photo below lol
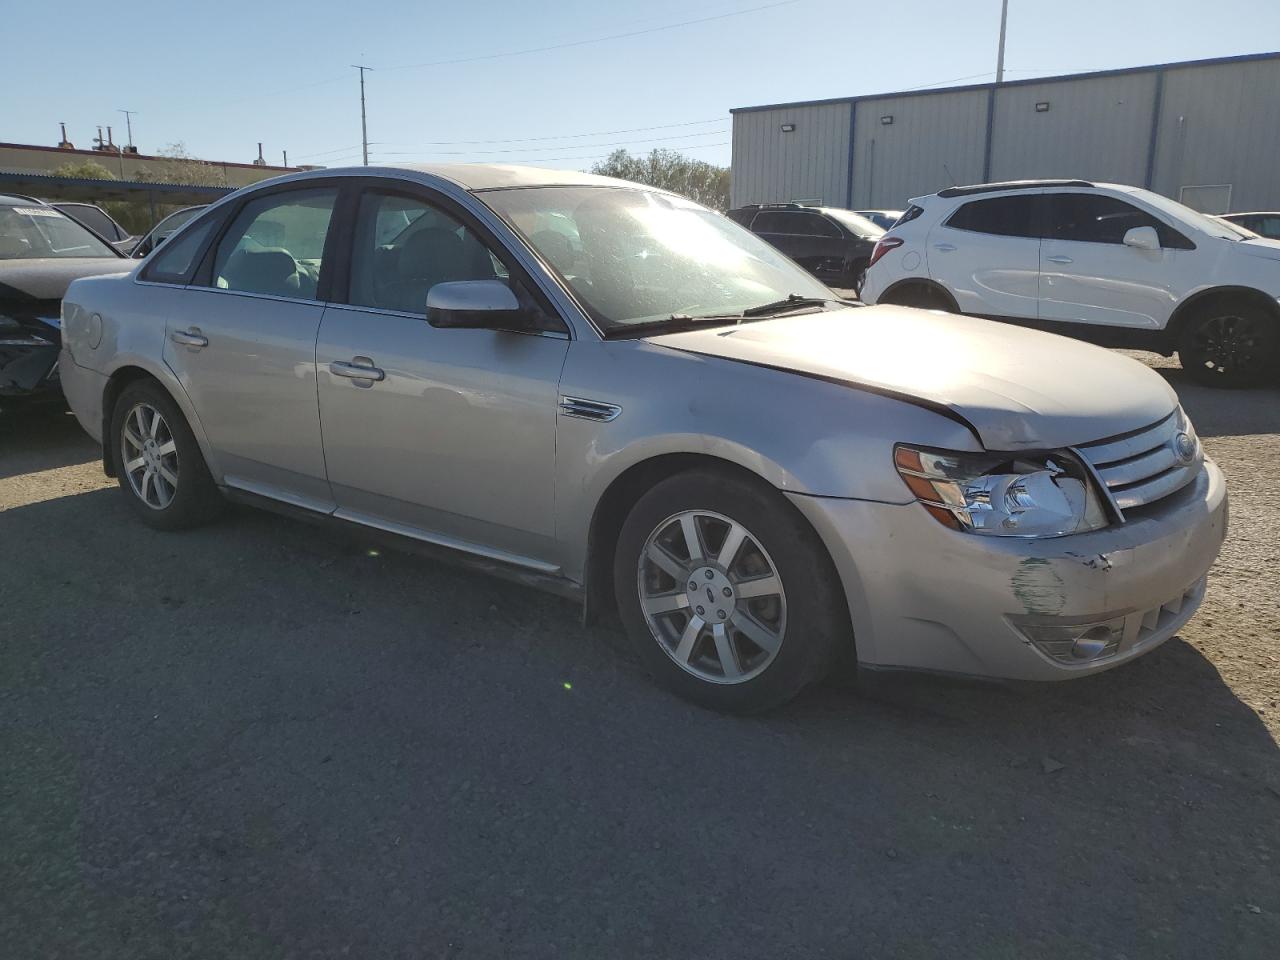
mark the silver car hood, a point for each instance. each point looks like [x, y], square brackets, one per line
[1016, 388]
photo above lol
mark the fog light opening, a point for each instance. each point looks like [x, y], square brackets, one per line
[1092, 643]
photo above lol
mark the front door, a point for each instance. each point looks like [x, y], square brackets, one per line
[808, 238]
[1088, 275]
[987, 255]
[452, 437]
[243, 347]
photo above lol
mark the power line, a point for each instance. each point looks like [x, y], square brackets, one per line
[563, 136]
[581, 43]
[563, 146]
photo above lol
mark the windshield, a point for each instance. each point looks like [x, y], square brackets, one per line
[30, 232]
[1178, 211]
[632, 256]
[856, 223]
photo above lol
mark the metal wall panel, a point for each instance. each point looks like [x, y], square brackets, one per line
[1220, 125]
[810, 163]
[933, 142]
[1094, 129]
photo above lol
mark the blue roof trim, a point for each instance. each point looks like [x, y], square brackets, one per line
[1096, 74]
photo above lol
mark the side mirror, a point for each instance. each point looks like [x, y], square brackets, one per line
[1142, 238]
[474, 305]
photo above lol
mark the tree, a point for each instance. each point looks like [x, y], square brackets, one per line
[179, 166]
[83, 169]
[698, 180]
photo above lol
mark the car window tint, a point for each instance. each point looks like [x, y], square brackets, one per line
[276, 243]
[404, 247]
[1003, 216]
[95, 219]
[815, 225]
[772, 221]
[1093, 218]
[173, 264]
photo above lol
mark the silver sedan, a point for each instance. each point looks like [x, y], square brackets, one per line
[612, 392]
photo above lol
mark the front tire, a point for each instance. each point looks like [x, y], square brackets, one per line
[158, 462]
[726, 593]
[1230, 344]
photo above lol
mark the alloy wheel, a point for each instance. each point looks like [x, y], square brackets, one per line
[149, 456]
[712, 597]
[1230, 345]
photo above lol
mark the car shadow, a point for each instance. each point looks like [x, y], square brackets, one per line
[1218, 412]
[340, 743]
[39, 437]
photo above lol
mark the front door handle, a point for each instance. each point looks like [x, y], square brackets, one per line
[1059, 259]
[189, 338]
[944, 247]
[357, 368]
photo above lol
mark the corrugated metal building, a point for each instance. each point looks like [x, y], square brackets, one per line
[1206, 132]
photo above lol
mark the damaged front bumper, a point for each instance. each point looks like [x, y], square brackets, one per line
[925, 597]
[29, 349]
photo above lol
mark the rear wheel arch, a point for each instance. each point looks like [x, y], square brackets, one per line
[117, 382]
[910, 291]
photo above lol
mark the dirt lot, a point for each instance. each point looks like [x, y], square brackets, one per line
[257, 740]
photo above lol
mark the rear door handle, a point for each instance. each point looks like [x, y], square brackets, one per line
[1059, 259]
[357, 368]
[944, 247]
[189, 338]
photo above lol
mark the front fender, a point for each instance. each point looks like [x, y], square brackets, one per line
[799, 434]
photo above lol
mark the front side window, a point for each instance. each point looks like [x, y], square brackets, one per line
[30, 231]
[633, 256]
[1095, 218]
[276, 244]
[404, 247]
[1000, 216]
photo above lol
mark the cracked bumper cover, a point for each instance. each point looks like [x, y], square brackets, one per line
[925, 597]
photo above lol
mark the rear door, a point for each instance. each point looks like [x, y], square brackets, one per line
[808, 238]
[987, 254]
[1088, 275]
[243, 343]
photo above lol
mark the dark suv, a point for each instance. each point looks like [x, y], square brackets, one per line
[834, 245]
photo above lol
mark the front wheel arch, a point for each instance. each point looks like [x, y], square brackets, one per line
[913, 287]
[1195, 304]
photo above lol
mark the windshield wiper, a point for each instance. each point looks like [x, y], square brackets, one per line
[792, 301]
[673, 324]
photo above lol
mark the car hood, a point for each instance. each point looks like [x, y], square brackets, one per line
[1016, 388]
[47, 279]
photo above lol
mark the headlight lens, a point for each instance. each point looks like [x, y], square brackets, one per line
[1001, 495]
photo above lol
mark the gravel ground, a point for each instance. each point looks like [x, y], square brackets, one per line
[258, 740]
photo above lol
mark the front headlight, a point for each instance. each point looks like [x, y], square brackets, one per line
[1002, 495]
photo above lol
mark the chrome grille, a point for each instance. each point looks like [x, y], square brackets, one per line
[1144, 466]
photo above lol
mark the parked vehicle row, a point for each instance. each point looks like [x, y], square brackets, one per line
[615, 393]
[1116, 265]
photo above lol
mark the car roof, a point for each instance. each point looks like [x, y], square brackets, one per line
[490, 176]
[18, 199]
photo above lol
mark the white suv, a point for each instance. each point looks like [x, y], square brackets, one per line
[1115, 265]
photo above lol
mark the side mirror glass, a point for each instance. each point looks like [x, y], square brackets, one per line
[1142, 238]
[474, 304]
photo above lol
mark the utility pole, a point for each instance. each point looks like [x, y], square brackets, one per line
[128, 123]
[1004, 20]
[364, 125]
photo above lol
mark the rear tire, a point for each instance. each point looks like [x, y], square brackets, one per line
[746, 619]
[919, 296]
[1230, 344]
[158, 462]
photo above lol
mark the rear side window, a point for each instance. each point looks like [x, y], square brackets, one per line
[1000, 216]
[1094, 218]
[276, 244]
[741, 216]
[794, 223]
[173, 264]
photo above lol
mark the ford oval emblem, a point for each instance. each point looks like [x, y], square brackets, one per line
[1184, 447]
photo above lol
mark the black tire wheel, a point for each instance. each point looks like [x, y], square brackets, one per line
[158, 462]
[855, 274]
[1230, 344]
[727, 593]
[921, 297]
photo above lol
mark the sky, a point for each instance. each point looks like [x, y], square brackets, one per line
[219, 77]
